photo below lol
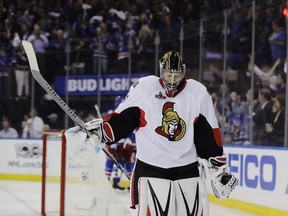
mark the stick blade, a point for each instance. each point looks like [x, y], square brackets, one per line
[30, 55]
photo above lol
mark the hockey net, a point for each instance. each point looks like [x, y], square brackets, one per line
[75, 185]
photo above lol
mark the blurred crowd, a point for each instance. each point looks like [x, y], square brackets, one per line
[100, 34]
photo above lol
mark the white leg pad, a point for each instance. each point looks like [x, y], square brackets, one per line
[156, 196]
[170, 198]
[204, 196]
[191, 197]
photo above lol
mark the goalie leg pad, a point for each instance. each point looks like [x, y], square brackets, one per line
[204, 196]
[191, 197]
[156, 197]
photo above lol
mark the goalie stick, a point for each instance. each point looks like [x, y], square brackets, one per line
[29, 50]
[97, 111]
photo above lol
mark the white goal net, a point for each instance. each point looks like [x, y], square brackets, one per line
[75, 185]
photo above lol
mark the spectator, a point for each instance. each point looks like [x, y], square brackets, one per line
[22, 34]
[7, 131]
[276, 129]
[21, 73]
[241, 108]
[268, 77]
[57, 47]
[266, 74]
[239, 34]
[278, 41]
[217, 109]
[123, 52]
[79, 64]
[235, 119]
[145, 49]
[99, 47]
[34, 126]
[23, 125]
[4, 69]
[224, 102]
[112, 50]
[54, 123]
[246, 109]
[9, 28]
[4, 40]
[262, 115]
[281, 84]
[191, 12]
[40, 42]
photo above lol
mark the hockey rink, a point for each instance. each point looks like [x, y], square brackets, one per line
[21, 198]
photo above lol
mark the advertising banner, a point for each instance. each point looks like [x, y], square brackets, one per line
[21, 156]
[262, 173]
[88, 84]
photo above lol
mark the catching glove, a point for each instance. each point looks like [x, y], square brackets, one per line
[222, 181]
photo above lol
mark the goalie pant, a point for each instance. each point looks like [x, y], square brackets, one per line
[143, 169]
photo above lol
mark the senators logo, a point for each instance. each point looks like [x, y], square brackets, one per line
[173, 127]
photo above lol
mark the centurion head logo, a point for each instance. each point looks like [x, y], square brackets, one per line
[173, 127]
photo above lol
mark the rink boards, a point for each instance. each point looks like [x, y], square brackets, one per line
[263, 179]
[262, 173]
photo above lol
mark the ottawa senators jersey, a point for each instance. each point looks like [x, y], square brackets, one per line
[173, 131]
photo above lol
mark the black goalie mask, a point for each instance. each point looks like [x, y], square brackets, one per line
[172, 71]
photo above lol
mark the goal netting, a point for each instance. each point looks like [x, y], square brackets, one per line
[75, 185]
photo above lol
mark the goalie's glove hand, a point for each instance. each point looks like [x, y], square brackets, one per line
[101, 129]
[78, 141]
[222, 181]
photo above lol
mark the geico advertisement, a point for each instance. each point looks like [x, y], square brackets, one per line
[262, 175]
[24, 156]
[88, 84]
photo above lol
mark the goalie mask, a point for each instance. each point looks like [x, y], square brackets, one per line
[172, 71]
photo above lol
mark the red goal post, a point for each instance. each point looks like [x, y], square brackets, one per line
[57, 136]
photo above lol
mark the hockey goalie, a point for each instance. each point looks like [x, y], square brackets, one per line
[176, 133]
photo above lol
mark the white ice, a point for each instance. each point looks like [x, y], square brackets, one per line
[18, 198]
